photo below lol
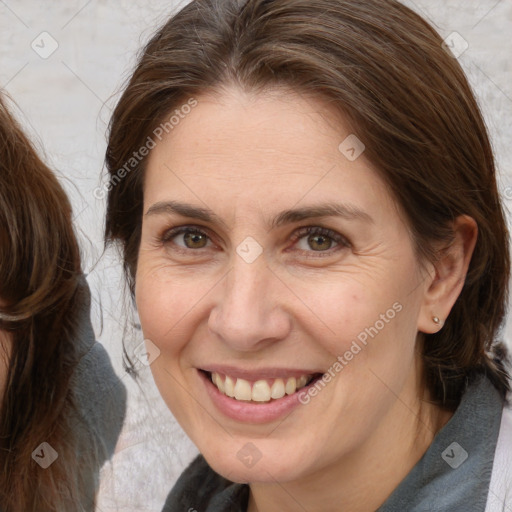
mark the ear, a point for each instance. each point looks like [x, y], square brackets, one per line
[447, 275]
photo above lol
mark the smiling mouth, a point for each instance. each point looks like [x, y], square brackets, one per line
[260, 391]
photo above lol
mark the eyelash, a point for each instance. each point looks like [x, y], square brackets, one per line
[307, 231]
[341, 241]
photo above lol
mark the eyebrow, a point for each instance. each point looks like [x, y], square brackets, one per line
[346, 211]
[185, 210]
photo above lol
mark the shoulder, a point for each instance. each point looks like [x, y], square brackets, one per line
[500, 488]
[99, 395]
[201, 488]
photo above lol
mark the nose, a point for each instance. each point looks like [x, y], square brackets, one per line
[249, 311]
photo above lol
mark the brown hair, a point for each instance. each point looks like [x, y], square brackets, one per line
[40, 296]
[385, 69]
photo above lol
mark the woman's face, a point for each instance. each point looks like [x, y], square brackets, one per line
[271, 253]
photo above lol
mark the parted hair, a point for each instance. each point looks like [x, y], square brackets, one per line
[386, 70]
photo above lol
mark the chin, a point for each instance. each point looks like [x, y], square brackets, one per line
[251, 465]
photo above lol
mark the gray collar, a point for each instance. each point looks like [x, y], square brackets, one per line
[455, 472]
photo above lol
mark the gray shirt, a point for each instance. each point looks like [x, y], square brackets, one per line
[100, 399]
[453, 475]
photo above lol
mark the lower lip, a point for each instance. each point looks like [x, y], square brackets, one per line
[250, 412]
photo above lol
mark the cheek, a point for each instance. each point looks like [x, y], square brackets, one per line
[353, 308]
[169, 312]
[166, 298]
[367, 324]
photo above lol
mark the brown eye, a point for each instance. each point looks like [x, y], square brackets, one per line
[320, 242]
[194, 240]
[186, 238]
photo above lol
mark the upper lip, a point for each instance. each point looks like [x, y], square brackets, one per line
[259, 373]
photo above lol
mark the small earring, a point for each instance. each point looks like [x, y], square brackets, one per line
[436, 320]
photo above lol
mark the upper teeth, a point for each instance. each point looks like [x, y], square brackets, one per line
[259, 391]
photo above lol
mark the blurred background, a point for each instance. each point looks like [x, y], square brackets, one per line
[64, 63]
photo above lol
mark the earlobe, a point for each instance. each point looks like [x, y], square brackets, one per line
[448, 276]
[437, 320]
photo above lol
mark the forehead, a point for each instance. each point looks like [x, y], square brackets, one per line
[261, 149]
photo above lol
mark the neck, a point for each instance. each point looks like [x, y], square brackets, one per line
[365, 477]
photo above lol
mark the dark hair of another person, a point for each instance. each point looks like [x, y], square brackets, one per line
[39, 301]
[382, 67]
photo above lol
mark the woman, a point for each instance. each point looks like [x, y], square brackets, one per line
[315, 242]
[61, 404]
